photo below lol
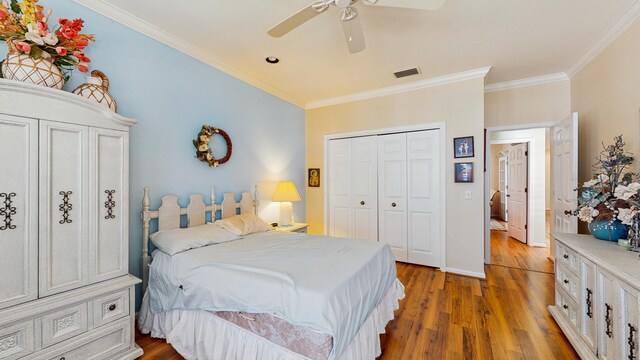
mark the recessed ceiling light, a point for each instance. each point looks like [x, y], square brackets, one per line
[272, 60]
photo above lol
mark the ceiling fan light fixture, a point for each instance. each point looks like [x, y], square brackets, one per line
[348, 14]
[272, 60]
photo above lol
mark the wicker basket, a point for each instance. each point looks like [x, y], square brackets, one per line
[21, 67]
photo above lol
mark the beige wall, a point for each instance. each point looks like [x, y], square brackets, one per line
[494, 176]
[606, 95]
[461, 106]
[532, 104]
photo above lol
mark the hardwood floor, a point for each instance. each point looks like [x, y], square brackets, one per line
[506, 251]
[446, 316]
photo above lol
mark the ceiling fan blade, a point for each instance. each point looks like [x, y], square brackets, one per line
[295, 20]
[409, 4]
[353, 34]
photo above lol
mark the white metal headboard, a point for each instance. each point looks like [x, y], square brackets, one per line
[169, 213]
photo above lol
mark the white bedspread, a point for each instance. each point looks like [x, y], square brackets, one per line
[325, 283]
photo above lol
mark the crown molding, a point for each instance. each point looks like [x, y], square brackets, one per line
[621, 24]
[135, 23]
[391, 90]
[532, 81]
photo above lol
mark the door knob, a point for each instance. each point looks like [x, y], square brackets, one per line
[568, 212]
[362, 202]
[393, 204]
[508, 195]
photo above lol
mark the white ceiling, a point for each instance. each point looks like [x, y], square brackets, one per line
[517, 38]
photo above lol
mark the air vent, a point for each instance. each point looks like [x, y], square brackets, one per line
[405, 73]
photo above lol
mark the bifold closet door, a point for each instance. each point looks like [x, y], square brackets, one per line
[109, 215]
[392, 193]
[340, 188]
[365, 188]
[18, 210]
[423, 198]
[64, 215]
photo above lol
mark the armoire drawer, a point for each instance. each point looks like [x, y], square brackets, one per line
[568, 281]
[64, 324]
[110, 308]
[567, 307]
[17, 340]
[567, 257]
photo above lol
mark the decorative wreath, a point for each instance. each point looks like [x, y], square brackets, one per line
[203, 150]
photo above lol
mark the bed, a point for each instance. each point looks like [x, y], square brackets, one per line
[265, 295]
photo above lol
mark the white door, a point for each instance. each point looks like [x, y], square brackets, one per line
[502, 186]
[392, 190]
[564, 152]
[340, 188]
[423, 197]
[517, 196]
[18, 210]
[64, 209]
[365, 188]
[109, 216]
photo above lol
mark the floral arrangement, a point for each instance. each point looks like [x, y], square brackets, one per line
[203, 149]
[612, 193]
[23, 25]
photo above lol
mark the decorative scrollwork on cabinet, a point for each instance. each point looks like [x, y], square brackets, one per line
[589, 302]
[110, 204]
[7, 211]
[631, 342]
[608, 320]
[65, 207]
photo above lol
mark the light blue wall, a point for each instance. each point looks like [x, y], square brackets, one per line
[171, 95]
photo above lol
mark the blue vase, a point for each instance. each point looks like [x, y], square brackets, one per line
[610, 231]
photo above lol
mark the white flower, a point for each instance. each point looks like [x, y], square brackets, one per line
[209, 156]
[597, 179]
[50, 39]
[33, 35]
[203, 147]
[627, 215]
[595, 213]
[204, 139]
[46, 55]
[591, 183]
[626, 192]
[586, 214]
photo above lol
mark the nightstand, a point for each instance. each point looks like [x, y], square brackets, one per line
[294, 227]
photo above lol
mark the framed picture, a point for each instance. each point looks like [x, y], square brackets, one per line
[464, 172]
[314, 177]
[463, 147]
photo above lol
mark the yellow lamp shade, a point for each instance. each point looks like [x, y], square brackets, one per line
[286, 191]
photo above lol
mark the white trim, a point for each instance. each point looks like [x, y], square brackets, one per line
[135, 23]
[481, 275]
[532, 81]
[443, 166]
[396, 89]
[618, 27]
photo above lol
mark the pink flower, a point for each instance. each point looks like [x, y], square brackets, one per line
[69, 33]
[42, 27]
[61, 50]
[22, 46]
[62, 21]
[85, 59]
[78, 54]
[82, 67]
[3, 15]
[82, 43]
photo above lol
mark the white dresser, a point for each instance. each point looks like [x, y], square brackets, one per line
[597, 297]
[65, 288]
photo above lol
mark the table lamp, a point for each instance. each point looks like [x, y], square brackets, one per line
[286, 193]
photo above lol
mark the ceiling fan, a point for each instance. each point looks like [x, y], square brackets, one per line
[349, 17]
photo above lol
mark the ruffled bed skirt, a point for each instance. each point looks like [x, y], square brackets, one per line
[197, 334]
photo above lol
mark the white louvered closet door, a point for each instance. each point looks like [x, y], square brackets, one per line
[64, 211]
[109, 216]
[18, 210]
[392, 193]
[365, 188]
[340, 188]
[423, 197]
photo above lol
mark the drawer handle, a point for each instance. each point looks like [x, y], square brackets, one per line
[63, 358]
[566, 281]
[65, 207]
[7, 211]
[362, 202]
[566, 256]
[112, 307]
[110, 204]
[589, 303]
[393, 204]
[565, 306]
[631, 342]
[608, 320]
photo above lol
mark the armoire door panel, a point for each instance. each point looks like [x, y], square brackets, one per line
[340, 188]
[63, 207]
[365, 188]
[18, 210]
[108, 250]
[628, 326]
[607, 312]
[587, 303]
[392, 196]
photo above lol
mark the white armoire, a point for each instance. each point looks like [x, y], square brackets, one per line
[65, 288]
[387, 188]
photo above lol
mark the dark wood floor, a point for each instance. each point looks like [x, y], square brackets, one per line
[448, 316]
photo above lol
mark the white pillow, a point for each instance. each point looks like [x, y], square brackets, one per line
[244, 224]
[177, 240]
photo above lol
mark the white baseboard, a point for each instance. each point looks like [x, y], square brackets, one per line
[539, 245]
[466, 272]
